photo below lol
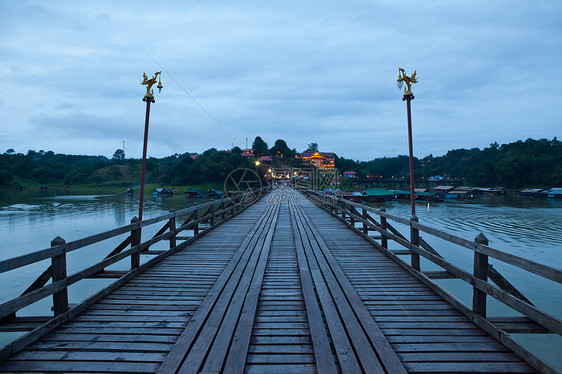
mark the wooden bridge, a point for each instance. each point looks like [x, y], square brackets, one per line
[295, 282]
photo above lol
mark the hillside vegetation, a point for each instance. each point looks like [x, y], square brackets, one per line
[529, 163]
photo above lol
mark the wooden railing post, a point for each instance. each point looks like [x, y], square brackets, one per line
[60, 298]
[196, 219]
[172, 229]
[351, 217]
[212, 213]
[384, 239]
[480, 272]
[222, 207]
[415, 240]
[135, 240]
[365, 215]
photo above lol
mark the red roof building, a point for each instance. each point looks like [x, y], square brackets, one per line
[265, 159]
[249, 152]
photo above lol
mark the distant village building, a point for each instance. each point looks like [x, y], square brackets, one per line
[322, 160]
[349, 174]
[248, 152]
[193, 157]
[265, 160]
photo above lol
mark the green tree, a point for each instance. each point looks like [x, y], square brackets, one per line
[259, 146]
[119, 155]
[280, 148]
[312, 147]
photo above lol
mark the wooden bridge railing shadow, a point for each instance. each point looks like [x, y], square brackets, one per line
[200, 219]
[534, 320]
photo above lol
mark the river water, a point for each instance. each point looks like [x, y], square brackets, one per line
[528, 227]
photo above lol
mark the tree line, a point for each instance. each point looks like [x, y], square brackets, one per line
[529, 163]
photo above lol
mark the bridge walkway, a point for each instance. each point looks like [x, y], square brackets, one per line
[281, 288]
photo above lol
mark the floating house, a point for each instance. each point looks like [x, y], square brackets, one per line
[428, 196]
[459, 195]
[401, 195]
[163, 192]
[354, 196]
[129, 191]
[555, 193]
[534, 192]
[492, 191]
[442, 190]
[420, 195]
[193, 193]
[377, 194]
[215, 194]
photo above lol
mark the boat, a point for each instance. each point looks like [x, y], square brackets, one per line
[129, 191]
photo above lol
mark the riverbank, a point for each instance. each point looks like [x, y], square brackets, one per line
[11, 194]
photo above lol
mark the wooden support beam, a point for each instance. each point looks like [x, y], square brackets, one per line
[415, 240]
[517, 325]
[398, 251]
[108, 274]
[439, 275]
[504, 284]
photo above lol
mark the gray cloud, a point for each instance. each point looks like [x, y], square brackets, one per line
[296, 70]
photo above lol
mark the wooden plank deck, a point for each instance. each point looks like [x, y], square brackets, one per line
[282, 288]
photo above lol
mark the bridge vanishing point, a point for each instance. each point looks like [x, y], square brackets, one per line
[295, 282]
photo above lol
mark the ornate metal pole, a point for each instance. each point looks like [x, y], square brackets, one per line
[408, 97]
[148, 98]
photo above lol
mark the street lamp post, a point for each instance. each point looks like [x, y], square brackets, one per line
[408, 97]
[148, 98]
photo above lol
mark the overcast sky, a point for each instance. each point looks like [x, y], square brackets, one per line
[303, 71]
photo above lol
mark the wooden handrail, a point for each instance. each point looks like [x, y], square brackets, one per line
[478, 281]
[542, 270]
[39, 290]
[30, 258]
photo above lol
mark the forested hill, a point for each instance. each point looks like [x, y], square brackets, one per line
[530, 163]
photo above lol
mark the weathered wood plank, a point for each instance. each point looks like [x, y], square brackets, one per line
[320, 340]
[79, 366]
[343, 291]
[187, 338]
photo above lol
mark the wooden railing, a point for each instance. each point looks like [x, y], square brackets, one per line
[200, 218]
[534, 320]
